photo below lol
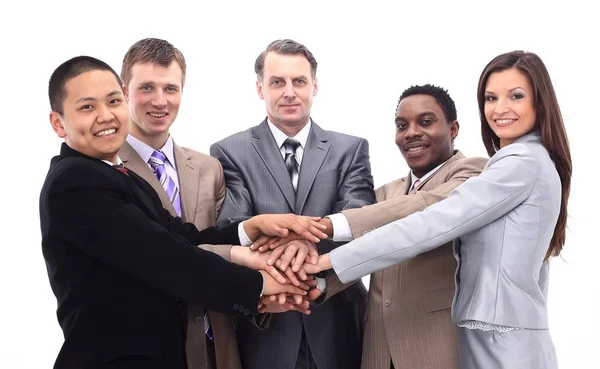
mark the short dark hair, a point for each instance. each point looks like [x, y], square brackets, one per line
[71, 69]
[285, 47]
[152, 51]
[440, 95]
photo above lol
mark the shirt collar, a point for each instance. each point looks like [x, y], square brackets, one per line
[145, 151]
[119, 162]
[413, 177]
[280, 137]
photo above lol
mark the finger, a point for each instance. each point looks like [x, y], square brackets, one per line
[313, 254]
[302, 274]
[275, 256]
[311, 282]
[281, 298]
[309, 232]
[273, 298]
[296, 308]
[287, 256]
[299, 259]
[292, 277]
[264, 242]
[311, 269]
[313, 294]
[275, 274]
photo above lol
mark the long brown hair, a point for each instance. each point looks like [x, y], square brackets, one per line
[548, 120]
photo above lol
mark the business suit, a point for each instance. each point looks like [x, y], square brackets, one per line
[334, 175]
[122, 268]
[202, 189]
[408, 314]
[504, 220]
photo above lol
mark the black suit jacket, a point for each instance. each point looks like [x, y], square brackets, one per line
[122, 268]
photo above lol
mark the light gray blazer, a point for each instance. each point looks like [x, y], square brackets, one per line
[503, 221]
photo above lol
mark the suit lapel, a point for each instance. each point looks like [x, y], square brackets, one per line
[266, 147]
[189, 180]
[317, 147]
[133, 161]
[433, 180]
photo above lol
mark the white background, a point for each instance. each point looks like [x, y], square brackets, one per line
[368, 52]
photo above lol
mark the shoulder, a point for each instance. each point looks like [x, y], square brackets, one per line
[200, 158]
[390, 186]
[234, 140]
[467, 163]
[77, 172]
[345, 138]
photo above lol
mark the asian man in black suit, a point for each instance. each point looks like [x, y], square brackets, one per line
[121, 267]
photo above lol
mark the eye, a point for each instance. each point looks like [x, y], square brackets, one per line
[86, 107]
[172, 89]
[426, 122]
[276, 83]
[490, 98]
[300, 82]
[517, 96]
[116, 101]
[400, 126]
[146, 88]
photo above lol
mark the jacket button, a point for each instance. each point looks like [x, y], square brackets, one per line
[198, 319]
[241, 308]
[387, 303]
[246, 311]
[235, 306]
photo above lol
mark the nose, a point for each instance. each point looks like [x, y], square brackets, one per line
[412, 131]
[105, 114]
[159, 99]
[289, 91]
[501, 106]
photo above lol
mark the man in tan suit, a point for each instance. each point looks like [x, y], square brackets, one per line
[408, 314]
[190, 184]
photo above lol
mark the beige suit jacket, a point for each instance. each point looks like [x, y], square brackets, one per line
[202, 187]
[408, 313]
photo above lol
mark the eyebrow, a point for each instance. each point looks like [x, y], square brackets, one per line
[296, 77]
[420, 115]
[511, 90]
[87, 98]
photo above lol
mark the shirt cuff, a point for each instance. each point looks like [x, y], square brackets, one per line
[321, 284]
[244, 239]
[341, 228]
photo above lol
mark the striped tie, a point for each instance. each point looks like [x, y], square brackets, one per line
[415, 187]
[291, 162]
[157, 162]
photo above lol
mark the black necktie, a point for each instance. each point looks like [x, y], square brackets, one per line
[290, 145]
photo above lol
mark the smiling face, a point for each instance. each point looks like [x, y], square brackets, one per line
[423, 134]
[288, 89]
[94, 121]
[154, 94]
[508, 105]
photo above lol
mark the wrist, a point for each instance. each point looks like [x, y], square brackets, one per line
[236, 255]
[252, 228]
[327, 223]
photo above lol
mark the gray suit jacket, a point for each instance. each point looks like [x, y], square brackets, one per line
[334, 175]
[202, 188]
[408, 313]
[504, 220]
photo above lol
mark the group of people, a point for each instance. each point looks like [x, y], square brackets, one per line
[163, 257]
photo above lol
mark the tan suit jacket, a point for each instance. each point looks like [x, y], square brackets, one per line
[408, 313]
[202, 187]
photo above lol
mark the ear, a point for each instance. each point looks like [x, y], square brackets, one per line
[125, 92]
[315, 87]
[454, 128]
[57, 124]
[259, 88]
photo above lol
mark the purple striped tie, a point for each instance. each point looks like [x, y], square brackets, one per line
[157, 162]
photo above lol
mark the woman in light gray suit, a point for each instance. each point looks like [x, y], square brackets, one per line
[507, 223]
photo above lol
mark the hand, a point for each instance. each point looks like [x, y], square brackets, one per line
[244, 256]
[272, 287]
[297, 253]
[266, 243]
[324, 263]
[272, 304]
[281, 224]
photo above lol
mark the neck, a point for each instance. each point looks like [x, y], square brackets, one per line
[155, 141]
[290, 130]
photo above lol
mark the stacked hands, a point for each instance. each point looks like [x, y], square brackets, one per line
[285, 253]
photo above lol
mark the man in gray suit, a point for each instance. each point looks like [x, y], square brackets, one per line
[290, 164]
